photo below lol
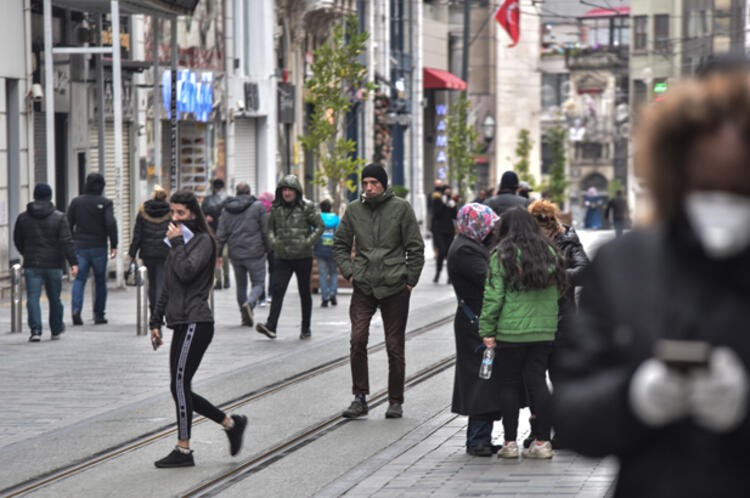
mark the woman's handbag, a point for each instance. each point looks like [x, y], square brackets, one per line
[131, 275]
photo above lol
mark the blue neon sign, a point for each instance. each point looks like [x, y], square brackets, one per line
[195, 93]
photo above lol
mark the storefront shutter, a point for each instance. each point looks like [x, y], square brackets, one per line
[245, 159]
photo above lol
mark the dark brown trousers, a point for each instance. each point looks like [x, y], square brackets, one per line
[394, 310]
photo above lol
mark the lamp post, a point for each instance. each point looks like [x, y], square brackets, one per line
[488, 129]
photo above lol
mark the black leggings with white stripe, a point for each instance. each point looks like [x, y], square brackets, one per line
[189, 342]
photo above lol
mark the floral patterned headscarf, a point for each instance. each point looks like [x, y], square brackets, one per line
[476, 221]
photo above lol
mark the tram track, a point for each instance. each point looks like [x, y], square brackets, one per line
[82, 465]
[308, 435]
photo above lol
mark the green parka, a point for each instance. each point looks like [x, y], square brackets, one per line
[293, 228]
[389, 248]
[516, 316]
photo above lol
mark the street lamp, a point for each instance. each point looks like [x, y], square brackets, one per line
[488, 128]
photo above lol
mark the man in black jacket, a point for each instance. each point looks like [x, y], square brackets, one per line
[212, 207]
[92, 220]
[243, 228]
[507, 195]
[618, 206]
[42, 236]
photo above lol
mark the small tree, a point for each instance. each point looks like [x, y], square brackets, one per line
[523, 149]
[462, 145]
[557, 182]
[614, 186]
[338, 78]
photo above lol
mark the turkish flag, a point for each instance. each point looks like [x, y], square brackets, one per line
[509, 17]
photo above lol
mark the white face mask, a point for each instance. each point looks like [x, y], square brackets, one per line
[721, 221]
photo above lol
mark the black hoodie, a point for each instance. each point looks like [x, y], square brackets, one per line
[151, 226]
[42, 236]
[91, 216]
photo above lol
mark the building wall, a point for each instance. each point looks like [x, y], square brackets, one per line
[518, 87]
[16, 170]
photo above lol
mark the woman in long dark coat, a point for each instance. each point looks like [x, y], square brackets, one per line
[467, 268]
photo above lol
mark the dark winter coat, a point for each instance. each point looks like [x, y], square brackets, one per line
[243, 227]
[212, 206]
[640, 288]
[293, 228]
[619, 209]
[42, 236]
[575, 260]
[151, 226]
[467, 268]
[443, 217]
[188, 279]
[504, 201]
[91, 218]
[389, 250]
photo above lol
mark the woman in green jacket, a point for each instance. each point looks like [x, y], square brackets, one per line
[519, 320]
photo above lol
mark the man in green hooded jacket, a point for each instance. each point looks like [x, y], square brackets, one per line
[389, 256]
[294, 226]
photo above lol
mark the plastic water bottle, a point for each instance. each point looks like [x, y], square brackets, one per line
[485, 369]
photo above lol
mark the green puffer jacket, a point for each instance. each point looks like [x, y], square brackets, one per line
[516, 316]
[389, 247]
[293, 229]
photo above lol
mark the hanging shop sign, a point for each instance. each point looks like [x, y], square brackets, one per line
[195, 94]
[441, 140]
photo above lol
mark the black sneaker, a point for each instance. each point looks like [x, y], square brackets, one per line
[176, 459]
[77, 318]
[247, 314]
[265, 330]
[333, 301]
[481, 450]
[100, 321]
[357, 409]
[35, 336]
[324, 304]
[395, 410]
[235, 434]
[305, 333]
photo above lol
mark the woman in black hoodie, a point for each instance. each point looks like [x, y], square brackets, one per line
[188, 278]
[151, 224]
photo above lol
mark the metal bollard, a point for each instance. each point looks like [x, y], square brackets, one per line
[141, 283]
[16, 300]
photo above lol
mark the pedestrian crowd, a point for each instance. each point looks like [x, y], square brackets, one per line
[643, 346]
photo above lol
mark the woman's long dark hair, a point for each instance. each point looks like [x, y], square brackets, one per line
[529, 261]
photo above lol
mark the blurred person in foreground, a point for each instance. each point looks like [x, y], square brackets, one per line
[675, 414]
[467, 269]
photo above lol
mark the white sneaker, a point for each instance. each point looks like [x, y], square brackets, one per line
[509, 450]
[539, 449]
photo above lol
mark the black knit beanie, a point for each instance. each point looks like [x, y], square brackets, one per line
[374, 170]
[42, 192]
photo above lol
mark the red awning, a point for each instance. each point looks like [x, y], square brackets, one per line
[437, 79]
[604, 12]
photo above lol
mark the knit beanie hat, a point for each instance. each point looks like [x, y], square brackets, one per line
[374, 170]
[42, 192]
[509, 181]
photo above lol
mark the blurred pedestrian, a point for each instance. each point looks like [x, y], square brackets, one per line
[618, 208]
[212, 206]
[243, 229]
[524, 189]
[293, 228]
[565, 239]
[593, 203]
[267, 199]
[324, 252]
[519, 320]
[184, 304]
[388, 259]
[92, 221]
[507, 194]
[657, 370]
[151, 224]
[481, 196]
[443, 226]
[467, 268]
[42, 236]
